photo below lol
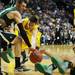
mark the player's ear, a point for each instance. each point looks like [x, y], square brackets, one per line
[74, 49]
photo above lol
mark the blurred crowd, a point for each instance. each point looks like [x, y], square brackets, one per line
[56, 24]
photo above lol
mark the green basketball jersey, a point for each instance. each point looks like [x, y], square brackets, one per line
[5, 11]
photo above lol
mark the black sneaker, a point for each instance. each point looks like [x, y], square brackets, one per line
[19, 69]
[22, 68]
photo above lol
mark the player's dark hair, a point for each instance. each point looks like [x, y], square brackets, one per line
[34, 19]
[20, 1]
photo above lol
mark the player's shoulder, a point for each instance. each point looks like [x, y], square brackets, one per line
[25, 21]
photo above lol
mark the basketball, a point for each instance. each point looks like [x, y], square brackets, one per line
[36, 56]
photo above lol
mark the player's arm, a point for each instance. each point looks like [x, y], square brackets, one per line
[14, 15]
[23, 34]
[17, 17]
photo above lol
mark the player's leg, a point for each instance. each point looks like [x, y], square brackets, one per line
[47, 70]
[17, 50]
[24, 57]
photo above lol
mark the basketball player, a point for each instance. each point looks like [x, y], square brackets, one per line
[31, 27]
[9, 16]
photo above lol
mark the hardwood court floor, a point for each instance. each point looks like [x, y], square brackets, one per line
[56, 49]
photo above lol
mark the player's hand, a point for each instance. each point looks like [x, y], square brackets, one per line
[31, 50]
[42, 51]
